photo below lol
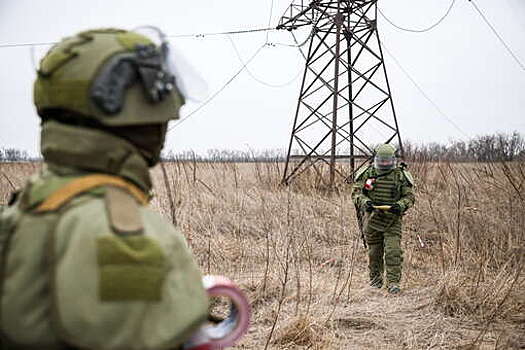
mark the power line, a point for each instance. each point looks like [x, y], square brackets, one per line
[255, 77]
[243, 67]
[196, 35]
[297, 44]
[507, 47]
[2, 46]
[429, 28]
[212, 97]
[269, 21]
[202, 35]
[420, 89]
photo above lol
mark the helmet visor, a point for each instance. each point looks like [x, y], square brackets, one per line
[384, 162]
[188, 80]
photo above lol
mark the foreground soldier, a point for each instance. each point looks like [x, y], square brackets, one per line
[381, 194]
[85, 264]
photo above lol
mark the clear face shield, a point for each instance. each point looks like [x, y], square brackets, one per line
[187, 79]
[384, 163]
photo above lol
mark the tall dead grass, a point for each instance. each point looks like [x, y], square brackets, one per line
[296, 251]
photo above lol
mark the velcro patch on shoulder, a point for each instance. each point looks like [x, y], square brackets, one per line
[130, 268]
[123, 212]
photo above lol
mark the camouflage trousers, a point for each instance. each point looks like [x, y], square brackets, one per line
[385, 254]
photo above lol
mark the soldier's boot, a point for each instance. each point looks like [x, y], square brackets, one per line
[376, 282]
[375, 264]
[394, 289]
[393, 259]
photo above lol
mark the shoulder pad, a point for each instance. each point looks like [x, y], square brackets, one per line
[360, 172]
[123, 212]
[408, 177]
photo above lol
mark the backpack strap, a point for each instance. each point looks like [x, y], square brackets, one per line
[123, 212]
[360, 172]
[86, 183]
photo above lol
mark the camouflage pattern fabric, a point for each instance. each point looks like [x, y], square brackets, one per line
[85, 264]
[102, 271]
[382, 229]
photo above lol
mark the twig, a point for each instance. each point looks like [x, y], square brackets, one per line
[458, 214]
[194, 162]
[281, 299]
[206, 186]
[496, 310]
[168, 190]
[267, 252]
[512, 181]
[9, 181]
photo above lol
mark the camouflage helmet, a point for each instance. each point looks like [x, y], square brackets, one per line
[109, 76]
[384, 157]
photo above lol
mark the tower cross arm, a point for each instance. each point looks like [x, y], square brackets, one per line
[300, 13]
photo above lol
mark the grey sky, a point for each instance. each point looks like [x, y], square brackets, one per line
[460, 65]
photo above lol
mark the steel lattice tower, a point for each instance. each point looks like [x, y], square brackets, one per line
[345, 106]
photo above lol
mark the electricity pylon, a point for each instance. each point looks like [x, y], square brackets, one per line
[345, 106]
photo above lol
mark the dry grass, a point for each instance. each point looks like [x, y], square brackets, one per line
[297, 253]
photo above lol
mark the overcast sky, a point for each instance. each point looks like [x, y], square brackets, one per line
[460, 65]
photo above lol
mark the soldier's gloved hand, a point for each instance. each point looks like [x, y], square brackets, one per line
[395, 209]
[369, 206]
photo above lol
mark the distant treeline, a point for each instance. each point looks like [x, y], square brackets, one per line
[486, 148]
[14, 155]
[228, 156]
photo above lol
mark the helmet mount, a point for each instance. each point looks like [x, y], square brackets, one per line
[145, 64]
[110, 76]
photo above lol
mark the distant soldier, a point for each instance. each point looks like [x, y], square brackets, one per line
[382, 193]
[85, 263]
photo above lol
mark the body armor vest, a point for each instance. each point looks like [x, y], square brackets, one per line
[386, 189]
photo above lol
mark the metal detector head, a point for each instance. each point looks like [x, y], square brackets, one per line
[215, 336]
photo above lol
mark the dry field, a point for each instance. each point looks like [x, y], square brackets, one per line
[297, 253]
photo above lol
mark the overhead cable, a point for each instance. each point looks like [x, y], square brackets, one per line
[269, 21]
[299, 45]
[260, 81]
[212, 97]
[202, 35]
[500, 38]
[423, 30]
[2, 46]
[196, 35]
[420, 89]
[243, 67]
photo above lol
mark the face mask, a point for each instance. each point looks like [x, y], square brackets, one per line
[148, 139]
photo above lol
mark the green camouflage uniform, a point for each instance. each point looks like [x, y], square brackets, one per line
[382, 229]
[96, 269]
